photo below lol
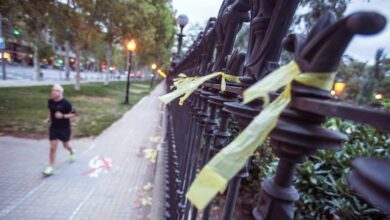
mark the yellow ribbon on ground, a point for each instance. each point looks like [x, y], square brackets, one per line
[215, 175]
[185, 86]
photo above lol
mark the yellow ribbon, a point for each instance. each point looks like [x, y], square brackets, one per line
[228, 77]
[181, 81]
[215, 175]
[164, 75]
[185, 86]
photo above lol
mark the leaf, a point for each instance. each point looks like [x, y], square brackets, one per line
[313, 180]
[150, 154]
[146, 201]
[155, 139]
[148, 186]
[318, 165]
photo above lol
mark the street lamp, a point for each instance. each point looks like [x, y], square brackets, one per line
[2, 47]
[131, 46]
[182, 21]
[154, 67]
[339, 87]
[378, 96]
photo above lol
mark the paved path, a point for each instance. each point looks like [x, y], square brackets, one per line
[116, 189]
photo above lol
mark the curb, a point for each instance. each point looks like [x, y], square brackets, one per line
[158, 200]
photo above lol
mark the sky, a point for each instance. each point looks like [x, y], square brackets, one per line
[361, 47]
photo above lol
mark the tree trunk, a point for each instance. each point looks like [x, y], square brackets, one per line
[67, 63]
[108, 62]
[78, 55]
[37, 66]
[95, 65]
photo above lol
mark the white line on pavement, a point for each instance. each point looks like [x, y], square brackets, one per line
[82, 203]
[89, 148]
[9, 208]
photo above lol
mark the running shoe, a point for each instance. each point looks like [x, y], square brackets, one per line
[72, 157]
[49, 171]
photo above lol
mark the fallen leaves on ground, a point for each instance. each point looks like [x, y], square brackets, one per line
[148, 186]
[150, 154]
[144, 197]
[146, 201]
[155, 139]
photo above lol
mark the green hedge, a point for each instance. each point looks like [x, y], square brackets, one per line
[322, 180]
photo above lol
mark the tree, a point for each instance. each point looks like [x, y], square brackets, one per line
[34, 21]
[160, 31]
[61, 27]
[89, 26]
[112, 17]
[384, 84]
[372, 78]
[83, 24]
[242, 38]
[307, 15]
[46, 50]
[191, 34]
[150, 23]
[303, 21]
[97, 50]
[349, 71]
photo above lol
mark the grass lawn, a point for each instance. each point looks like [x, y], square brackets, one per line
[23, 109]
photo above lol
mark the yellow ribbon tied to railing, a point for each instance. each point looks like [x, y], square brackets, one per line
[185, 86]
[215, 175]
[181, 81]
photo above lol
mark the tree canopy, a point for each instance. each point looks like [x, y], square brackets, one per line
[149, 22]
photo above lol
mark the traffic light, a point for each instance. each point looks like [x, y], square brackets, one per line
[59, 61]
[15, 32]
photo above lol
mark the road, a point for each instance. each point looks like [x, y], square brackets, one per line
[27, 72]
[23, 76]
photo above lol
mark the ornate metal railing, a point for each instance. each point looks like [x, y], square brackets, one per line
[198, 130]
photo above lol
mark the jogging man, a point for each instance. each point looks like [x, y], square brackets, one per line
[60, 113]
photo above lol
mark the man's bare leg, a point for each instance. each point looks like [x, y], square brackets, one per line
[67, 146]
[53, 150]
[52, 157]
[72, 157]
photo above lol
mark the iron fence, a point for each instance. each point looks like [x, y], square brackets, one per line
[199, 129]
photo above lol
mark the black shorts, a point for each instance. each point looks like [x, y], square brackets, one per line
[62, 134]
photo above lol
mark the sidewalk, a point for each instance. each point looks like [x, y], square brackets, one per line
[112, 177]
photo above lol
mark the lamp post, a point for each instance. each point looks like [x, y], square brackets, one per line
[2, 48]
[131, 48]
[338, 89]
[154, 67]
[378, 96]
[182, 21]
